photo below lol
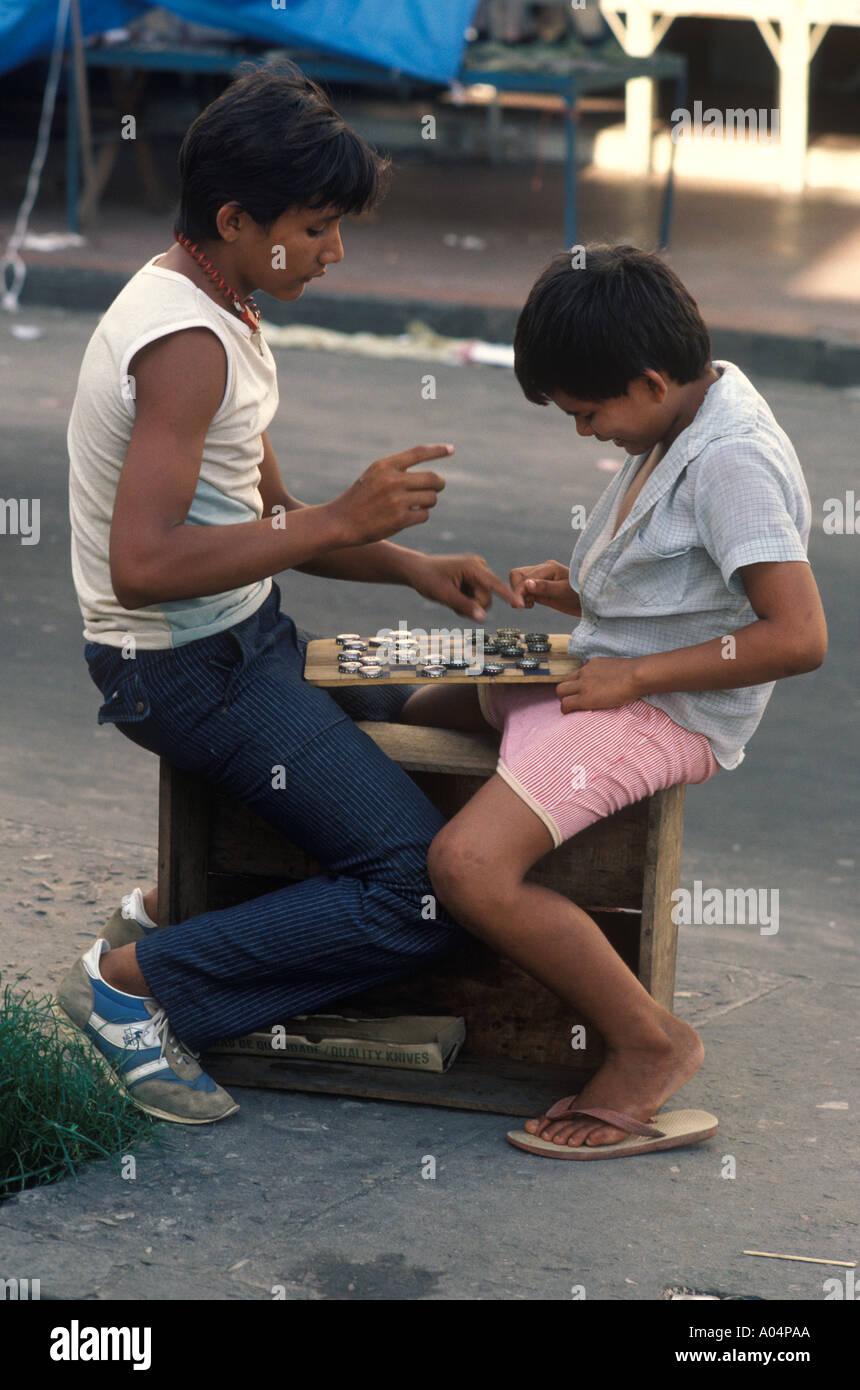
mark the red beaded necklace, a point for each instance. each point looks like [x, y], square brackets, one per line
[245, 308]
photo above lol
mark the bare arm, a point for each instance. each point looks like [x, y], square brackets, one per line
[155, 556]
[462, 582]
[788, 638]
[379, 563]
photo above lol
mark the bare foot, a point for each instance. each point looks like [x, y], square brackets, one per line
[634, 1081]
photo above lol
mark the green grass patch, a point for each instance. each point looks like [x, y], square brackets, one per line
[59, 1109]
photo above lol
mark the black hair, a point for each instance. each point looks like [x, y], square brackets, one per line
[272, 142]
[590, 332]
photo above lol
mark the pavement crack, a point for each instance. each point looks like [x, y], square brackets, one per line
[700, 1019]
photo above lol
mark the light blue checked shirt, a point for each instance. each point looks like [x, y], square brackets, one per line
[728, 493]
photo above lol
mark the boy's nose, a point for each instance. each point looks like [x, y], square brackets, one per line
[333, 251]
[583, 429]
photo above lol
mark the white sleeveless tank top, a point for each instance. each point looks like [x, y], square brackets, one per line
[156, 302]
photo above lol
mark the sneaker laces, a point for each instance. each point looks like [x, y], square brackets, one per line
[158, 1033]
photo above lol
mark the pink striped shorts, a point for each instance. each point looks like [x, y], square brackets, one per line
[574, 769]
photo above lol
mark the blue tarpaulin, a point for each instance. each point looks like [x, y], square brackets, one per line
[421, 38]
[27, 26]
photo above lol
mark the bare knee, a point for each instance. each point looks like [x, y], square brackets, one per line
[464, 876]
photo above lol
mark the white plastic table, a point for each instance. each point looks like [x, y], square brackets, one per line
[802, 25]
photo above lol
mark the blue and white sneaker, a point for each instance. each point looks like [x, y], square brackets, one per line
[134, 1035]
[129, 923]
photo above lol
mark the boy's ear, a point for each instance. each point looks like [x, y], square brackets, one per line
[657, 384]
[230, 220]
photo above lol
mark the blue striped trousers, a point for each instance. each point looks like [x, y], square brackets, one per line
[234, 709]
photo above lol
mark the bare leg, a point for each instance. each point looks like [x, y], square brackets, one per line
[444, 707]
[477, 864]
[150, 904]
[120, 969]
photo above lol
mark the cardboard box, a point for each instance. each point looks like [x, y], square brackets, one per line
[411, 1042]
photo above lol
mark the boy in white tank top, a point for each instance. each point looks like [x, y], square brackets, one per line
[180, 517]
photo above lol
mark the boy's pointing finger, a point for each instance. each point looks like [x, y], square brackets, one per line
[421, 453]
[503, 590]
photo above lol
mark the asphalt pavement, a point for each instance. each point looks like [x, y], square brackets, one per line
[325, 1196]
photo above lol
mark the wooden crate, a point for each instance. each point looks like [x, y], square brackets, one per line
[214, 852]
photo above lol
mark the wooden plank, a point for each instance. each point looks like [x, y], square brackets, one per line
[436, 750]
[602, 865]
[509, 1016]
[227, 890]
[321, 668]
[500, 1088]
[183, 844]
[662, 869]
[241, 843]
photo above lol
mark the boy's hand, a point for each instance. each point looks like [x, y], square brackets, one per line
[547, 584]
[462, 582]
[604, 682]
[388, 497]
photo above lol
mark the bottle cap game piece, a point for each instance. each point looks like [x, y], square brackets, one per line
[511, 649]
[456, 664]
[371, 672]
[536, 637]
[493, 668]
[539, 647]
[349, 668]
[529, 663]
[355, 645]
[431, 672]
[343, 637]
[507, 634]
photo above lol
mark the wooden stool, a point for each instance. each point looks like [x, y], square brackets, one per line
[518, 1051]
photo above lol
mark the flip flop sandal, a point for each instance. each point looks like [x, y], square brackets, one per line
[678, 1127]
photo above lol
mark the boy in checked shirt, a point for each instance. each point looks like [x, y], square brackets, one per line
[694, 595]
